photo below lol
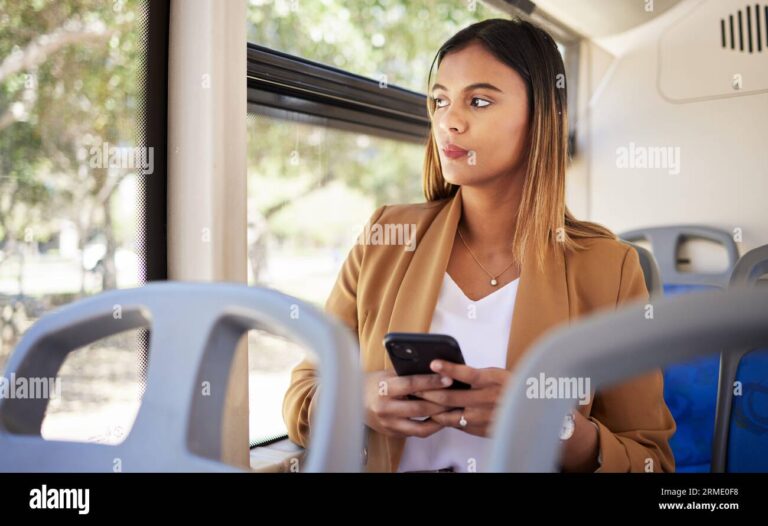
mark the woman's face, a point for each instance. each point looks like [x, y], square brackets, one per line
[481, 107]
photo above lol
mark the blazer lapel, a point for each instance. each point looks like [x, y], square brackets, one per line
[542, 302]
[417, 296]
[542, 299]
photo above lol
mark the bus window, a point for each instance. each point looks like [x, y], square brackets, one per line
[72, 163]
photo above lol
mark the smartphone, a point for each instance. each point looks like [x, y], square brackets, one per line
[411, 353]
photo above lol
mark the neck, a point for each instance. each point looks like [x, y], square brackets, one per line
[489, 213]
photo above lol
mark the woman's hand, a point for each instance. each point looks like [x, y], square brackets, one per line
[476, 405]
[389, 412]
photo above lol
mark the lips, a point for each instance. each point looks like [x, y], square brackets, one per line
[453, 151]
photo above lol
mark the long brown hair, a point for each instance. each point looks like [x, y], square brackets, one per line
[543, 216]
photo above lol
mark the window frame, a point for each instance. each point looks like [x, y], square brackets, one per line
[328, 96]
[154, 189]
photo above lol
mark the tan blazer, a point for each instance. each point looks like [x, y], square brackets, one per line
[386, 288]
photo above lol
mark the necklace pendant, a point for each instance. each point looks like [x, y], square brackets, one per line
[494, 282]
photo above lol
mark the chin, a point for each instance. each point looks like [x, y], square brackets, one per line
[457, 174]
[458, 178]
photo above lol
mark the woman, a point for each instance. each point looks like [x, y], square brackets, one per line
[499, 260]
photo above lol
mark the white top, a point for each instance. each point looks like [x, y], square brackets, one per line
[482, 330]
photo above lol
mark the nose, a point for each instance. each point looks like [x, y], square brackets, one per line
[451, 120]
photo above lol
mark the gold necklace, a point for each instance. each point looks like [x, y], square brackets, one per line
[494, 282]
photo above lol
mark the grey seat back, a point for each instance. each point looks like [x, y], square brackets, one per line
[747, 271]
[664, 242]
[650, 271]
[194, 331]
[609, 348]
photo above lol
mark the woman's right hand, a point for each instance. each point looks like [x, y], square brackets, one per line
[388, 411]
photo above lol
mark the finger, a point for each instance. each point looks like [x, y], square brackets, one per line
[404, 385]
[474, 419]
[463, 373]
[451, 418]
[408, 408]
[459, 397]
[408, 427]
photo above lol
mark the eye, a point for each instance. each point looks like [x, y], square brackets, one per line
[487, 103]
[436, 101]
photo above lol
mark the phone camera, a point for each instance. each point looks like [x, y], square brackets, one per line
[406, 353]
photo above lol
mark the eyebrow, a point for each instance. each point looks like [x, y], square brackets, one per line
[476, 85]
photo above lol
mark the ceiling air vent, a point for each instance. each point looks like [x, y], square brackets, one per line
[746, 30]
[727, 60]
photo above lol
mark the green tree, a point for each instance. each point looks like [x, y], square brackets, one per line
[69, 80]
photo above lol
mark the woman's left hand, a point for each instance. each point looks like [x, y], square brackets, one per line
[477, 405]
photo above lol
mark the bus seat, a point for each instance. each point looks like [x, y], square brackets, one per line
[650, 271]
[690, 389]
[609, 348]
[741, 422]
[194, 330]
